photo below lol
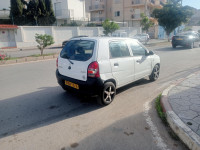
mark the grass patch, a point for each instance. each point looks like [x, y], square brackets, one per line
[36, 55]
[160, 112]
[163, 117]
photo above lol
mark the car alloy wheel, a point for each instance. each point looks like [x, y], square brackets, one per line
[108, 94]
[155, 73]
[192, 46]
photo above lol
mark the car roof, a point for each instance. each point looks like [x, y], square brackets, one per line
[103, 38]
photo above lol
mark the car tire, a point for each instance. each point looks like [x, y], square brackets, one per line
[173, 45]
[107, 94]
[191, 46]
[155, 73]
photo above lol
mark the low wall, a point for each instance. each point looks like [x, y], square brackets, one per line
[25, 35]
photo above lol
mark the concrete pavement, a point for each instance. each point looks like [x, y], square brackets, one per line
[181, 102]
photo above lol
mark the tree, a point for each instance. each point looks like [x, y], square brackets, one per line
[109, 27]
[32, 12]
[172, 15]
[43, 41]
[49, 17]
[16, 11]
[146, 23]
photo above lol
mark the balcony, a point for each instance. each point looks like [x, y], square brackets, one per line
[135, 17]
[96, 7]
[98, 19]
[141, 3]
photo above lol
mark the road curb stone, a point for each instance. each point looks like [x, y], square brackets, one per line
[189, 137]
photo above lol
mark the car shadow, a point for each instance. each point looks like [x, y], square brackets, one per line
[41, 108]
[134, 84]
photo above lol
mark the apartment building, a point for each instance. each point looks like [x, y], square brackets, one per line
[69, 10]
[123, 10]
[126, 12]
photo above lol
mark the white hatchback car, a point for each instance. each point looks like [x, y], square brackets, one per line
[98, 66]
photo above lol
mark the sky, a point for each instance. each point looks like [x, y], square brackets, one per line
[193, 3]
[4, 4]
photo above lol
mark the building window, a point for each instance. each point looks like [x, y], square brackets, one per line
[100, 12]
[117, 13]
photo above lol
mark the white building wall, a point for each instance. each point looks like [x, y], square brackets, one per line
[69, 9]
[60, 8]
[77, 7]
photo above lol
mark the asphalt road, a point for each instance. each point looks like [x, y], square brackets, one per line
[36, 114]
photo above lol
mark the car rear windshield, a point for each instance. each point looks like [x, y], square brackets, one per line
[185, 33]
[80, 50]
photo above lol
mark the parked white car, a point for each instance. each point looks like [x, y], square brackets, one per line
[143, 38]
[100, 65]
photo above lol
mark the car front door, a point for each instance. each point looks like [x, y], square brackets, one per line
[142, 62]
[122, 63]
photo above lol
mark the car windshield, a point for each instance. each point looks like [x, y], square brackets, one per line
[80, 50]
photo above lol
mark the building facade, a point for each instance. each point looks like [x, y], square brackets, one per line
[122, 10]
[125, 12]
[69, 10]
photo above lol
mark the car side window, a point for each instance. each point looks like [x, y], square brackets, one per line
[137, 49]
[118, 49]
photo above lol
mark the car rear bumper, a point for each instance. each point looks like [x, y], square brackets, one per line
[91, 87]
[181, 42]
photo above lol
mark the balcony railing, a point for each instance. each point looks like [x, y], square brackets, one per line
[96, 7]
[135, 16]
[97, 19]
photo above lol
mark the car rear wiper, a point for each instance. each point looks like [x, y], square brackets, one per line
[68, 58]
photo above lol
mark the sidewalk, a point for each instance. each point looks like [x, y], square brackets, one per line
[181, 102]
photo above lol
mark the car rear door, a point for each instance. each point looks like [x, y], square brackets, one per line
[121, 62]
[75, 58]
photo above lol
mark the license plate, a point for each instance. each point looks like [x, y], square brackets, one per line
[179, 39]
[76, 86]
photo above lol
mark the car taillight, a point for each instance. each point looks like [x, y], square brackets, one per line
[57, 63]
[93, 70]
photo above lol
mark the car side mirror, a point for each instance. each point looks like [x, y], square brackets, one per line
[150, 53]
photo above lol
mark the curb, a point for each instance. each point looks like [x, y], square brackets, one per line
[190, 138]
[28, 59]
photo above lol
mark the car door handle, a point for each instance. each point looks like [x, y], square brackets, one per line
[116, 64]
[138, 61]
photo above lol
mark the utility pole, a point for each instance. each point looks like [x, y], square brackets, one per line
[145, 8]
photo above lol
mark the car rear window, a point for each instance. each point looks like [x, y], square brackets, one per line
[80, 50]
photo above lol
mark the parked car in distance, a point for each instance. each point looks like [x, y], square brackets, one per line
[97, 66]
[188, 39]
[65, 42]
[143, 38]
